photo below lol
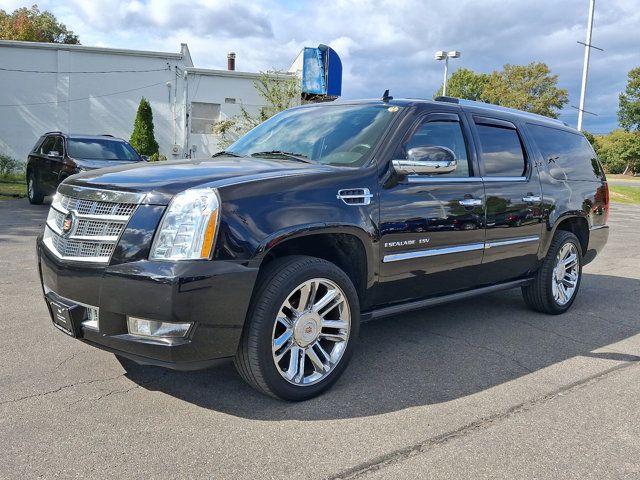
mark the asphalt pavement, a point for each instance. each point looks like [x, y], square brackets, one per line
[482, 388]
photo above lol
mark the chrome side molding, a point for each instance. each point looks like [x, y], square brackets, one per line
[396, 257]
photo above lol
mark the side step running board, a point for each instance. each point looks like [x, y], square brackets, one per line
[429, 302]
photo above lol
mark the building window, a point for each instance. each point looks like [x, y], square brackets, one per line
[204, 116]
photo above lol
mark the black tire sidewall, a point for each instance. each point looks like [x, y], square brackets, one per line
[36, 197]
[264, 326]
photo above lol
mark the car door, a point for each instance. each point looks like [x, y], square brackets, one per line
[45, 174]
[56, 162]
[513, 200]
[431, 226]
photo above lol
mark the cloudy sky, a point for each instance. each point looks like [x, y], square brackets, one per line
[383, 44]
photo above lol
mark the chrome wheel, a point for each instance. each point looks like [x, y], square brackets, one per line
[30, 188]
[311, 331]
[566, 272]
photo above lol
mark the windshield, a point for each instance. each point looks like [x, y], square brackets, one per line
[101, 149]
[331, 134]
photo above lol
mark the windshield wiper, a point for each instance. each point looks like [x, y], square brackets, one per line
[228, 153]
[300, 157]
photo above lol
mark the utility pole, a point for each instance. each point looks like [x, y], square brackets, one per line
[585, 68]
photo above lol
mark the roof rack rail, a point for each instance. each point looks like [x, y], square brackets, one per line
[498, 108]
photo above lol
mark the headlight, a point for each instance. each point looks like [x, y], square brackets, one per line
[188, 228]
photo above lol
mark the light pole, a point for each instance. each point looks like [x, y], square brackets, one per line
[442, 55]
[585, 67]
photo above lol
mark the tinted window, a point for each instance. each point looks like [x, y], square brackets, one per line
[47, 145]
[58, 145]
[442, 134]
[567, 155]
[502, 153]
[101, 149]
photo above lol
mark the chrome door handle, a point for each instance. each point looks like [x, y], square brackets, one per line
[470, 202]
[531, 199]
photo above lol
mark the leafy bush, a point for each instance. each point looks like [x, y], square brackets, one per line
[8, 165]
[142, 138]
[157, 157]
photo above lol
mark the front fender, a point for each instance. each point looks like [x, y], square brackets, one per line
[367, 239]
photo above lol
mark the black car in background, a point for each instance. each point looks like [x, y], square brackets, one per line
[57, 155]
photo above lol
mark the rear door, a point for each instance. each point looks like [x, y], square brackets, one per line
[514, 217]
[431, 226]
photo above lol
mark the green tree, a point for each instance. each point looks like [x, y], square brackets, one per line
[465, 83]
[279, 91]
[619, 151]
[32, 25]
[526, 87]
[629, 111]
[142, 137]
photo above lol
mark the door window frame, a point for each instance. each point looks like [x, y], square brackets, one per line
[433, 116]
[491, 121]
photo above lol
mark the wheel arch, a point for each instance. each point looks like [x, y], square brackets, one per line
[574, 223]
[347, 246]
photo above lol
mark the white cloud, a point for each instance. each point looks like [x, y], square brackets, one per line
[384, 43]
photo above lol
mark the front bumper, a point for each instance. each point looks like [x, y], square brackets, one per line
[213, 295]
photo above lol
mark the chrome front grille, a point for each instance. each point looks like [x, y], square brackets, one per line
[96, 219]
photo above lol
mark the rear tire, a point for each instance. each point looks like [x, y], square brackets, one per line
[300, 330]
[34, 194]
[557, 282]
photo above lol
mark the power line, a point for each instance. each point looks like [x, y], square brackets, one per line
[167, 68]
[81, 99]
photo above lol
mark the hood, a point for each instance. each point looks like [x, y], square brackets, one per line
[166, 178]
[92, 164]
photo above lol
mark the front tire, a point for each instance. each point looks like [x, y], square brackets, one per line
[556, 284]
[34, 194]
[300, 329]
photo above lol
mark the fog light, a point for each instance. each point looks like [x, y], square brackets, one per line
[152, 328]
[92, 320]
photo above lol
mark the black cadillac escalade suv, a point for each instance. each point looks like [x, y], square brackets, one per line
[324, 216]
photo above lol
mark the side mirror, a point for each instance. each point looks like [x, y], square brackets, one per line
[426, 160]
[144, 158]
[53, 153]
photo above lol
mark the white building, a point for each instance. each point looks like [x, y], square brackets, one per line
[91, 90]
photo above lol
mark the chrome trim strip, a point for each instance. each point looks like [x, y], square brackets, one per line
[512, 241]
[99, 195]
[504, 179]
[395, 257]
[96, 239]
[422, 179]
[105, 218]
[598, 227]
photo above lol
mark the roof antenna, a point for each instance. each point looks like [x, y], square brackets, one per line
[386, 97]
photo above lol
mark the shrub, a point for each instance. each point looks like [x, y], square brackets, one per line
[157, 157]
[142, 138]
[8, 165]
